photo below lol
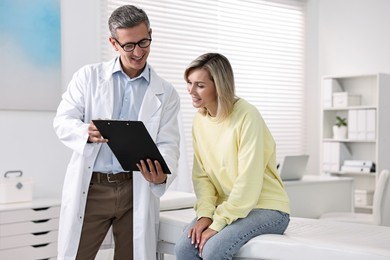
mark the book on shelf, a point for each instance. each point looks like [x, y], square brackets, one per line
[329, 87]
[370, 124]
[334, 154]
[362, 124]
[359, 163]
[356, 169]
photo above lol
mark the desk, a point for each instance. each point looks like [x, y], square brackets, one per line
[314, 195]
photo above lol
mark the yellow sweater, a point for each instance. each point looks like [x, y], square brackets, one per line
[235, 166]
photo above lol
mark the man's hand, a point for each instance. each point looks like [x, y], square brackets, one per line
[94, 135]
[155, 175]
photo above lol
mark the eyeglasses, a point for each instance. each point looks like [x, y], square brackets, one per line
[130, 46]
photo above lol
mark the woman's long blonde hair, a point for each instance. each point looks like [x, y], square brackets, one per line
[221, 73]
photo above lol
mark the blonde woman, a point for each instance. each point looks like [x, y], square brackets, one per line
[239, 193]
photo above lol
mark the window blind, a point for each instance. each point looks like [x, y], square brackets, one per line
[263, 39]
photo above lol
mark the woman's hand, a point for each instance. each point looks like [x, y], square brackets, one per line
[200, 233]
[206, 235]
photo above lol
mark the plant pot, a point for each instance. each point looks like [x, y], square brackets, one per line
[339, 132]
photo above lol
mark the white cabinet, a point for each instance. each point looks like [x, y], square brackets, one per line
[364, 100]
[29, 230]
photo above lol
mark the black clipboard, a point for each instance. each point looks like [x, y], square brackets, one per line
[130, 142]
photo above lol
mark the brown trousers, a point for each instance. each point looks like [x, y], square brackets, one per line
[108, 204]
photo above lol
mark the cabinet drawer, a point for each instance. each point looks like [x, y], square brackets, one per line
[30, 252]
[35, 239]
[32, 214]
[28, 227]
[364, 198]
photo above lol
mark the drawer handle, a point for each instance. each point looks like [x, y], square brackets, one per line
[40, 245]
[39, 209]
[40, 221]
[40, 233]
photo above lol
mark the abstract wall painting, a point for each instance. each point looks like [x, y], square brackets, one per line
[30, 54]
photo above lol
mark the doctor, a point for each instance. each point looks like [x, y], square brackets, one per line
[97, 192]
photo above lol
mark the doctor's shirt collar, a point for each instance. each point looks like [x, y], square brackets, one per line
[118, 68]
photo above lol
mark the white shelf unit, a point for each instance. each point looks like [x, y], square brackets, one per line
[29, 230]
[374, 92]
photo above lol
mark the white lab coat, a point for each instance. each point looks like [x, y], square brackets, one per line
[90, 96]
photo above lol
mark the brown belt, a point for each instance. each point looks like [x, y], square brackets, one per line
[101, 177]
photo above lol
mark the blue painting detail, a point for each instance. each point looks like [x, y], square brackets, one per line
[34, 26]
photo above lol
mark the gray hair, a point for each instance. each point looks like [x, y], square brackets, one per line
[127, 16]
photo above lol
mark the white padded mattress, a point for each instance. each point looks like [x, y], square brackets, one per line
[304, 239]
[173, 200]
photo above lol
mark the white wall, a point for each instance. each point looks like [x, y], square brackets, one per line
[311, 76]
[80, 28]
[352, 37]
[28, 142]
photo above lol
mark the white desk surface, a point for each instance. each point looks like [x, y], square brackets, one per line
[315, 195]
[310, 179]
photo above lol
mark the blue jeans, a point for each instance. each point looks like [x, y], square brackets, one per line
[227, 242]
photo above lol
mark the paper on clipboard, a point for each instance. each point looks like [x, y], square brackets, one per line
[130, 142]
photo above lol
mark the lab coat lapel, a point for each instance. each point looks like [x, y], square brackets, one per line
[106, 93]
[151, 102]
[149, 106]
[106, 99]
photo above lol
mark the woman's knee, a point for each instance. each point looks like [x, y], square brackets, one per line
[216, 253]
[179, 247]
[183, 247]
[217, 247]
